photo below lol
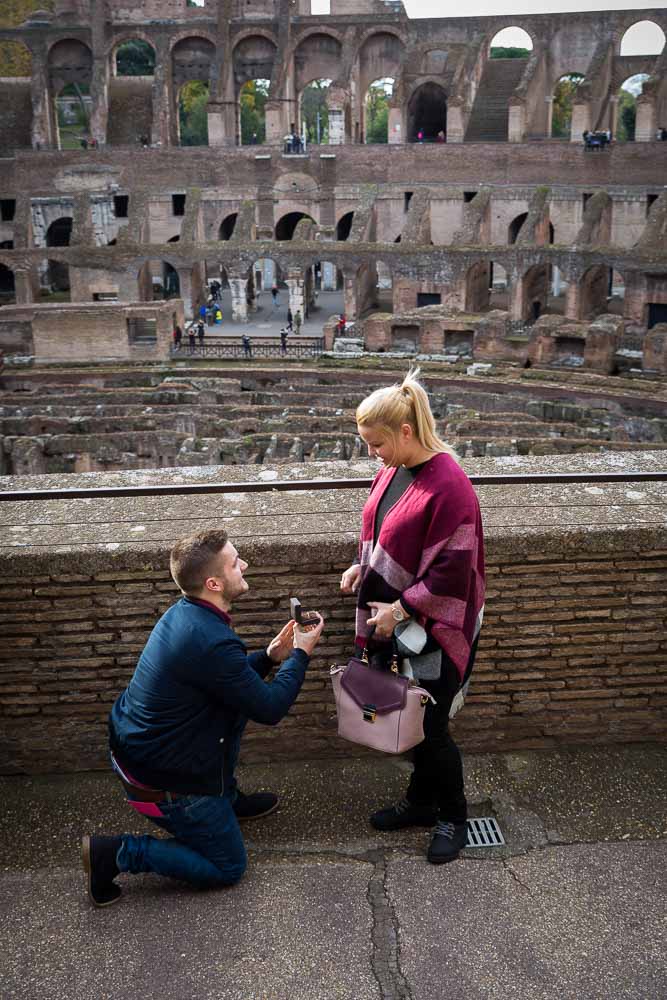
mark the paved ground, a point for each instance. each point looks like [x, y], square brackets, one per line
[269, 319]
[573, 906]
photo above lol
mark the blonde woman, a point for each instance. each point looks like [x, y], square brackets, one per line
[420, 581]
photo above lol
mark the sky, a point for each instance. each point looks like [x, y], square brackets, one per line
[645, 40]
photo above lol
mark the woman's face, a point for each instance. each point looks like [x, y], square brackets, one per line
[379, 444]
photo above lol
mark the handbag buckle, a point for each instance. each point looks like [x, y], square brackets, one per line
[369, 712]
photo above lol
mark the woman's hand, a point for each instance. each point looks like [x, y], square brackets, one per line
[349, 581]
[281, 647]
[383, 619]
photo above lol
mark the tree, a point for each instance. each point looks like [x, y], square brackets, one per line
[627, 116]
[135, 58]
[253, 98]
[509, 52]
[563, 102]
[314, 102]
[377, 115]
[192, 115]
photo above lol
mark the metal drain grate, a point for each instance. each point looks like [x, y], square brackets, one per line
[483, 831]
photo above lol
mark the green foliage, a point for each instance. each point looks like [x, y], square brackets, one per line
[253, 99]
[192, 116]
[509, 52]
[14, 59]
[135, 58]
[562, 105]
[627, 116]
[314, 100]
[377, 115]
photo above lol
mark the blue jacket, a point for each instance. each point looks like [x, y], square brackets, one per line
[178, 724]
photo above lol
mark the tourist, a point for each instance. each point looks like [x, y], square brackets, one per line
[440, 136]
[218, 316]
[274, 294]
[203, 312]
[420, 582]
[201, 330]
[297, 321]
[175, 730]
[342, 322]
[191, 338]
[283, 341]
[247, 346]
[178, 337]
[290, 320]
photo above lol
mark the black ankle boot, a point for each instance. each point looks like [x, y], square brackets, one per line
[403, 814]
[99, 861]
[448, 840]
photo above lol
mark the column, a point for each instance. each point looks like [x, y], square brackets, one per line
[295, 285]
[239, 289]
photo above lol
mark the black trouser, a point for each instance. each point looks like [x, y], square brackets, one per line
[437, 778]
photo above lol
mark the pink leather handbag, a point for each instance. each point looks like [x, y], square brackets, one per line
[378, 708]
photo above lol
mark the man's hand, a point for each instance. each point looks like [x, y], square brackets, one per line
[281, 647]
[383, 619]
[349, 581]
[307, 638]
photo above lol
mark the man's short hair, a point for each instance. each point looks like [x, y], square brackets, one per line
[191, 558]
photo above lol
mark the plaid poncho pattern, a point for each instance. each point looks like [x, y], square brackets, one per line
[429, 553]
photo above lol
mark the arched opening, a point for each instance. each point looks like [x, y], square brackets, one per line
[192, 114]
[511, 43]
[376, 110]
[616, 297]
[70, 65]
[263, 276]
[54, 282]
[252, 112]
[427, 114]
[286, 226]
[174, 239]
[73, 107]
[535, 292]
[499, 287]
[192, 59]
[628, 93]
[59, 232]
[594, 290]
[644, 38]
[7, 286]
[227, 225]
[323, 290]
[514, 227]
[478, 287]
[557, 291]
[158, 280]
[563, 101]
[344, 226]
[314, 112]
[135, 57]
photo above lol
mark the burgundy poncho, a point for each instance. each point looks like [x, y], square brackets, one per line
[430, 552]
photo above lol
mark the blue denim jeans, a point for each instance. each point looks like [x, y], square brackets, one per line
[206, 848]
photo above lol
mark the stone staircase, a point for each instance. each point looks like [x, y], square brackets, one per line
[488, 120]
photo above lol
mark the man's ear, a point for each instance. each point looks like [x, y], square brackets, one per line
[212, 583]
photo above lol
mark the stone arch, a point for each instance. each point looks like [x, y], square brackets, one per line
[69, 64]
[478, 287]
[192, 62]
[375, 110]
[7, 285]
[500, 284]
[594, 288]
[514, 227]
[427, 111]
[343, 226]
[642, 38]
[251, 111]
[287, 223]
[314, 110]
[379, 56]
[318, 56]
[534, 292]
[59, 233]
[158, 279]
[227, 226]
[512, 36]
[563, 96]
[253, 58]
[55, 281]
[626, 109]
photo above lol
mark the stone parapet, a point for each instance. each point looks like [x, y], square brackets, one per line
[572, 651]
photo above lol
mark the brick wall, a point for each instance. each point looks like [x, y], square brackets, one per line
[573, 651]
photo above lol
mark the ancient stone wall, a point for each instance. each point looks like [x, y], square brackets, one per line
[572, 650]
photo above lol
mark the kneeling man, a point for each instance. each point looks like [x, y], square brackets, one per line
[175, 730]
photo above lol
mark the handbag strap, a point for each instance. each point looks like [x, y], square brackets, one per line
[394, 650]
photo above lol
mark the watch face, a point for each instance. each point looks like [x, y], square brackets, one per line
[398, 616]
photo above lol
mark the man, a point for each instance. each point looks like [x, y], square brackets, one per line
[201, 331]
[247, 346]
[283, 341]
[175, 730]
